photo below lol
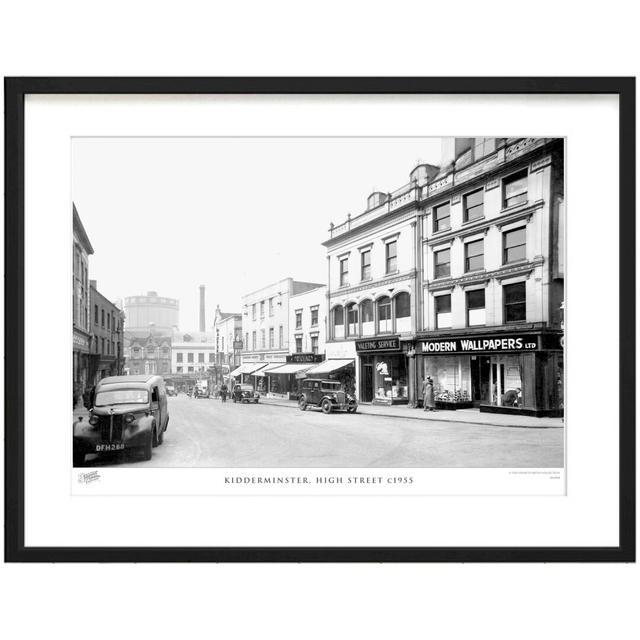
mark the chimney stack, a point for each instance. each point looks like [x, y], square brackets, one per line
[202, 316]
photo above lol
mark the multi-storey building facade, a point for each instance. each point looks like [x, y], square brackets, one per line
[307, 330]
[493, 271]
[82, 249]
[459, 276]
[193, 353]
[374, 282]
[150, 354]
[227, 328]
[265, 326]
[107, 327]
[228, 331]
[307, 321]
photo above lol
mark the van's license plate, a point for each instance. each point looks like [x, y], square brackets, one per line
[118, 446]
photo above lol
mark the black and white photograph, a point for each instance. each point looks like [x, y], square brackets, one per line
[318, 302]
[314, 327]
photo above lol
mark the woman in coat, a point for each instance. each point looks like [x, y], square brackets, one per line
[428, 401]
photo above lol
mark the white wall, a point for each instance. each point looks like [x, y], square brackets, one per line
[305, 301]
[376, 239]
[279, 291]
[196, 348]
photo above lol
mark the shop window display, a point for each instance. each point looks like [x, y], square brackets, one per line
[451, 378]
[391, 378]
[505, 380]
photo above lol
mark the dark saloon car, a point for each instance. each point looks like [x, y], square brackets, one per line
[245, 393]
[328, 395]
[129, 414]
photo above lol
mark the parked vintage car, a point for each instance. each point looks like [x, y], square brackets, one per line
[245, 393]
[129, 414]
[328, 395]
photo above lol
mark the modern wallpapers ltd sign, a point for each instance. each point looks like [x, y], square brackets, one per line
[489, 344]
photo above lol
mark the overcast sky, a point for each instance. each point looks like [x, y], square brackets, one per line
[234, 214]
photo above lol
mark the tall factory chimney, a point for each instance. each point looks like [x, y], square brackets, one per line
[202, 316]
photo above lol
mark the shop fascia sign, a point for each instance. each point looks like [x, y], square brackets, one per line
[80, 341]
[491, 344]
[301, 358]
[378, 344]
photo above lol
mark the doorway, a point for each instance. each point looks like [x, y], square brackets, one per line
[480, 380]
[366, 392]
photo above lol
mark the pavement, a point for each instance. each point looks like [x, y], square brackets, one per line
[209, 433]
[467, 416]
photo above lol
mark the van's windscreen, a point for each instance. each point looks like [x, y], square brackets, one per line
[122, 396]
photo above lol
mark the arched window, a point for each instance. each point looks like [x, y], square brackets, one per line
[384, 315]
[338, 322]
[352, 319]
[403, 312]
[366, 316]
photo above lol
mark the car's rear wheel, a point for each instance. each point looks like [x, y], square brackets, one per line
[302, 403]
[326, 406]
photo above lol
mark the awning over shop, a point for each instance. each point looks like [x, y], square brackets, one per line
[292, 368]
[328, 366]
[248, 368]
[269, 367]
[252, 368]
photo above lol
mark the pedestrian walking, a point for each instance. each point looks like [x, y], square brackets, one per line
[428, 402]
[223, 392]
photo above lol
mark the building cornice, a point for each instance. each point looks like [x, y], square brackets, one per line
[527, 327]
[507, 271]
[401, 214]
[456, 182]
[374, 284]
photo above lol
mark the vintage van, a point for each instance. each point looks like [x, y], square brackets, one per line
[129, 413]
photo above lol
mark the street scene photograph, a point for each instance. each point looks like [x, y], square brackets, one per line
[318, 302]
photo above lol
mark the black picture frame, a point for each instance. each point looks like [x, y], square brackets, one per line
[15, 91]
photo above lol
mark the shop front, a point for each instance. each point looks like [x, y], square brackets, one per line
[342, 370]
[506, 372]
[284, 379]
[244, 374]
[81, 351]
[384, 374]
